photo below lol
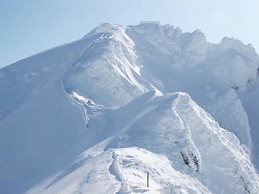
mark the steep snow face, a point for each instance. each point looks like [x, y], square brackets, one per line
[229, 111]
[251, 105]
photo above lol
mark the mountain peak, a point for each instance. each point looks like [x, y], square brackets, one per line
[105, 28]
[124, 101]
[228, 42]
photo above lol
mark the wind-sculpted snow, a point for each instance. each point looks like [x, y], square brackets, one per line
[96, 115]
[107, 73]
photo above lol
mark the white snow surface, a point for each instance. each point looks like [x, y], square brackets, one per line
[121, 171]
[98, 114]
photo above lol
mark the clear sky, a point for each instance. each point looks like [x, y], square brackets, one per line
[31, 26]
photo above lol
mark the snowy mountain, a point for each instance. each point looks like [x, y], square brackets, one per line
[98, 114]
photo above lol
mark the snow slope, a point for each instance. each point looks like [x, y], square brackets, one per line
[192, 145]
[122, 171]
[95, 115]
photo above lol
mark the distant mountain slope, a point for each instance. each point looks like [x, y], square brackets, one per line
[119, 103]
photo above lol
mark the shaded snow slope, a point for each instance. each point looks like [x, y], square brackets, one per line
[251, 105]
[34, 110]
[94, 94]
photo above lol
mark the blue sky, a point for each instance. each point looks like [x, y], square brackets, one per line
[31, 26]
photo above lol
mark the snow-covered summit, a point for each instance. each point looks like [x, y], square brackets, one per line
[105, 28]
[123, 100]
